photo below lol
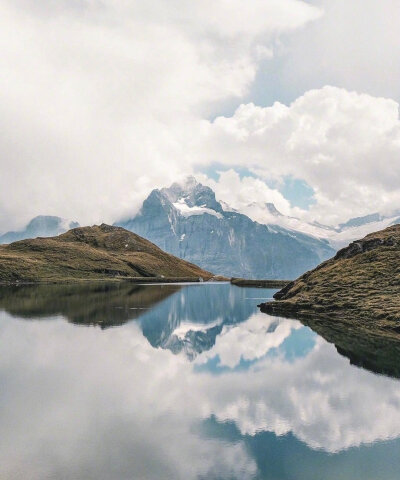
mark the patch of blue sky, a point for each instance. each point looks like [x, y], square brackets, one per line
[212, 170]
[298, 344]
[273, 83]
[297, 191]
[213, 366]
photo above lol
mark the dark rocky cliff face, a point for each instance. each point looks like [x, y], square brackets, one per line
[365, 245]
[190, 223]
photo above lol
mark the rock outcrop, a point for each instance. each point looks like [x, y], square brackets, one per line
[360, 286]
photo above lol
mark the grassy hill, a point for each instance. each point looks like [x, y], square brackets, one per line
[360, 286]
[90, 253]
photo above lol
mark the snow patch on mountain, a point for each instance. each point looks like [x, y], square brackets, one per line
[186, 211]
[185, 327]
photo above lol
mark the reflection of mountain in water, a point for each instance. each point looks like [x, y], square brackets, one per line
[298, 411]
[195, 319]
[182, 319]
[191, 320]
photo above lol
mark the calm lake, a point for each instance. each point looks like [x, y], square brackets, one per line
[120, 381]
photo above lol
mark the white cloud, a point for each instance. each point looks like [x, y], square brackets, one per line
[355, 45]
[241, 194]
[345, 145]
[109, 421]
[100, 100]
[250, 340]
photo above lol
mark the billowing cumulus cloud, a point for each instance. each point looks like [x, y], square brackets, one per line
[100, 100]
[345, 145]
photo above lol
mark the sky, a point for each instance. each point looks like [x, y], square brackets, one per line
[285, 101]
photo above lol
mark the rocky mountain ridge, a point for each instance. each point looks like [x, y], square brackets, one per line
[187, 221]
[179, 220]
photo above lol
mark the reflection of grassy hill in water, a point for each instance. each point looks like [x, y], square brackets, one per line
[161, 309]
[90, 253]
[103, 304]
[377, 353]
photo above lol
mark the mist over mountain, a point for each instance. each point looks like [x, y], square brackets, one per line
[40, 226]
[338, 236]
[187, 221]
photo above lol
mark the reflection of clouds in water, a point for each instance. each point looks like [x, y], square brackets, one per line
[249, 340]
[86, 403]
[320, 398]
[186, 326]
[81, 402]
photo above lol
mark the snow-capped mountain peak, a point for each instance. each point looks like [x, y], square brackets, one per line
[186, 220]
[191, 196]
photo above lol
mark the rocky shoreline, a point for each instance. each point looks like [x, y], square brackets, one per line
[243, 282]
[359, 287]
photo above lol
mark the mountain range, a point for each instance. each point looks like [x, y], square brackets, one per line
[187, 221]
[338, 236]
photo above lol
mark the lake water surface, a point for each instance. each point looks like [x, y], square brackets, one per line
[120, 381]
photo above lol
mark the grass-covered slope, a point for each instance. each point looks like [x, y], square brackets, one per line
[90, 253]
[359, 286]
